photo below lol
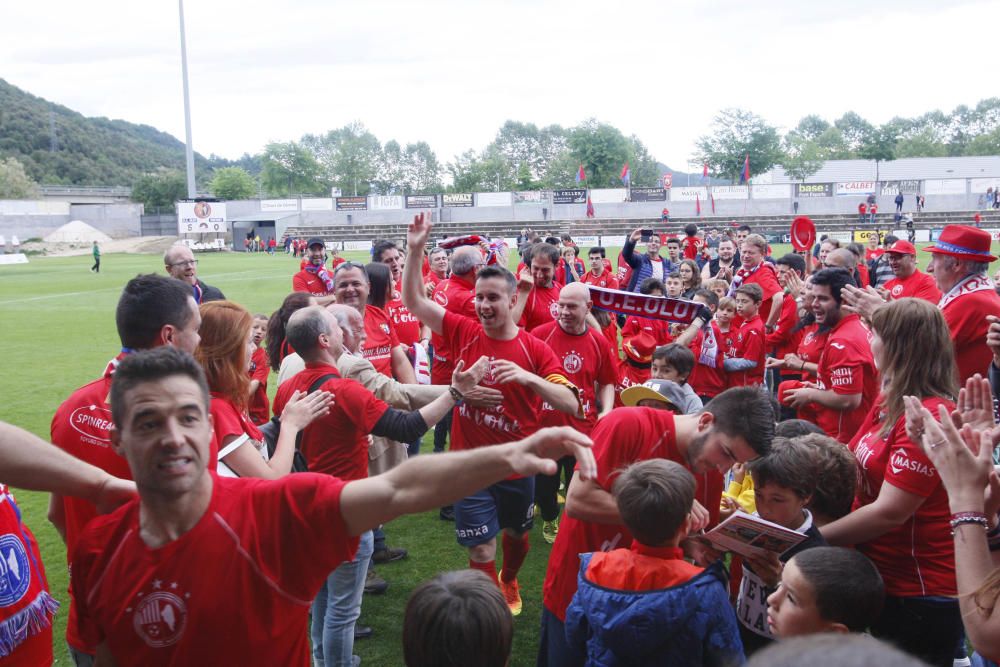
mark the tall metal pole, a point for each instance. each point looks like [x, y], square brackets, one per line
[189, 151]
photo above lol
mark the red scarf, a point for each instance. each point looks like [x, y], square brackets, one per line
[322, 274]
[643, 305]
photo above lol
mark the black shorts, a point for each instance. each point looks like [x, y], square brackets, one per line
[506, 504]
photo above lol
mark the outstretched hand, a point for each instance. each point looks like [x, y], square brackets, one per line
[302, 409]
[418, 232]
[539, 452]
[464, 380]
[863, 302]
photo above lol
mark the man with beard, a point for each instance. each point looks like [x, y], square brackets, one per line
[724, 266]
[736, 427]
[180, 263]
[314, 277]
[537, 289]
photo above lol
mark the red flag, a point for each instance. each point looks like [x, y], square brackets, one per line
[711, 198]
[704, 172]
[745, 174]
[590, 207]
[697, 204]
[580, 175]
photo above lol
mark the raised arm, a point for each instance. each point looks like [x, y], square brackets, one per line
[414, 296]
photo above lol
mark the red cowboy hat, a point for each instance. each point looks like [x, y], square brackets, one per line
[964, 242]
[803, 233]
[639, 348]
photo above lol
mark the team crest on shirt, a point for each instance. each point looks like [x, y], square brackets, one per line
[15, 571]
[554, 310]
[159, 618]
[897, 290]
[385, 328]
[441, 298]
[572, 363]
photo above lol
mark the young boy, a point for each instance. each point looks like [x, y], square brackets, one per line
[647, 605]
[634, 368]
[826, 589]
[784, 482]
[746, 366]
[719, 286]
[708, 377]
[837, 470]
[259, 407]
[674, 285]
[675, 362]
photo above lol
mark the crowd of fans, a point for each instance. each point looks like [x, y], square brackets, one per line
[838, 397]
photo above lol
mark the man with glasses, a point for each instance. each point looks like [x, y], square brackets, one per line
[180, 263]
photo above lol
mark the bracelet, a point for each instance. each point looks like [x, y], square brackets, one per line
[456, 395]
[962, 518]
[802, 366]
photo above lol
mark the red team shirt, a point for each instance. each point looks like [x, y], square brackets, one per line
[406, 324]
[629, 375]
[606, 279]
[966, 318]
[336, 443]
[455, 295]
[303, 281]
[918, 285]
[517, 416]
[254, 561]
[768, 282]
[623, 437]
[705, 380]
[380, 339]
[750, 344]
[260, 405]
[811, 347]
[782, 340]
[916, 558]
[228, 421]
[658, 329]
[586, 360]
[846, 367]
[542, 306]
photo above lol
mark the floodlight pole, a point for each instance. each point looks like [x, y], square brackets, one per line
[189, 149]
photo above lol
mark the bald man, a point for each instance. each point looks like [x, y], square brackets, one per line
[180, 263]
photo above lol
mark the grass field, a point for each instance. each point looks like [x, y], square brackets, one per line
[57, 325]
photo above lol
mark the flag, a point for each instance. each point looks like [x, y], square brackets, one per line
[711, 198]
[745, 174]
[580, 176]
[697, 204]
[704, 172]
[590, 208]
[626, 174]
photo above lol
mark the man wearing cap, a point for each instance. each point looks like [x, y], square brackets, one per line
[737, 426]
[314, 277]
[961, 258]
[909, 281]
[180, 263]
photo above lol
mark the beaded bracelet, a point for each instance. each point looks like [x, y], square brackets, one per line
[961, 518]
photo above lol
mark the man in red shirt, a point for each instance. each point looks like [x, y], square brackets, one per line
[382, 346]
[438, 263]
[588, 362]
[737, 426]
[537, 290]
[600, 270]
[527, 372]
[408, 328]
[754, 269]
[164, 579]
[152, 311]
[909, 281]
[848, 381]
[314, 277]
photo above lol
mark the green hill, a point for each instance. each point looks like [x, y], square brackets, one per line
[60, 146]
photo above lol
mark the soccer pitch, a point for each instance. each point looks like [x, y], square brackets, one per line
[57, 323]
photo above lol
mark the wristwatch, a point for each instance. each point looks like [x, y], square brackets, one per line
[456, 395]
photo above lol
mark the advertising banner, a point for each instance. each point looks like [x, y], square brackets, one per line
[856, 188]
[980, 185]
[357, 245]
[861, 235]
[325, 204]
[807, 190]
[279, 205]
[584, 243]
[689, 194]
[457, 199]
[947, 186]
[421, 201]
[574, 196]
[612, 241]
[352, 203]
[201, 217]
[721, 192]
[649, 194]
[780, 191]
[493, 199]
[608, 195]
[537, 197]
[893, 188]
[385, 202]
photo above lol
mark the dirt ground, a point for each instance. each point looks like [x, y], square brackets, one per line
[138, 244]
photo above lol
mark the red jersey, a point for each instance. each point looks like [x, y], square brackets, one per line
[846, 367]
[872, 255]
[765, 277]
[586, 360]
[623, 437]
[918, 285]
[542, 306]
[782, 341]
[811, 346]
[228, 422]
[262, 545]
[336, 443]
[260, 405]
[335, 262]
[304, 281]
[380, 339]
[433, 279]
[624, 273]
[517, 417]
[628, 375]
[455, 295]
[405, 323]
[610, 333]
[750, 344]
[606, 279]
[705, 380]
[862, 208]
[966, 318]
[917, 557]
[692, 247]
[658, 329]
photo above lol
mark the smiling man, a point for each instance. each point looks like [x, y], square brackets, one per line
[165, 578]
[314, 277]
[180, 263]
[737, 426]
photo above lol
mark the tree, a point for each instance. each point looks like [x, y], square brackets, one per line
[644, 171]
[810, 128]
[803, 157]
[160, 190]
[289, 168]
[233, 183]
[854, 129]
[737, 134]
[921, 144]
[524, 144]
[482, 172]
[602, 150]
[421, 171]
[15, 182]
[985, 144]
[350, 157]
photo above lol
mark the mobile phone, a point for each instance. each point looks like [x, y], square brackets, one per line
[645, 234]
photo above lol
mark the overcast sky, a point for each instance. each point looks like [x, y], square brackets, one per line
[451, 73]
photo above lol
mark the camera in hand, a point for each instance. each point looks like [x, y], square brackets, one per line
[645, 234]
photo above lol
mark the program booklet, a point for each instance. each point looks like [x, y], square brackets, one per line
[749, 535]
